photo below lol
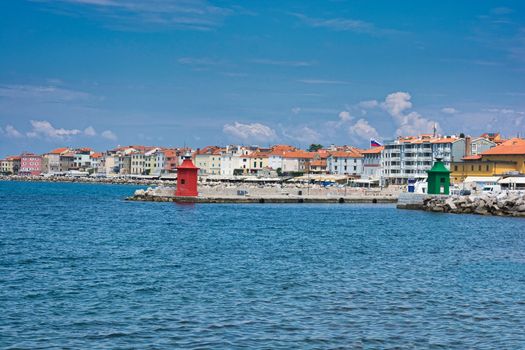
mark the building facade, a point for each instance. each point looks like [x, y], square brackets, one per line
[372, 163]
[345, 163]
[30, 164]
[411, 157]
[506, 158]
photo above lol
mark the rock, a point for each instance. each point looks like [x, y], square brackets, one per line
[521, 208]
[140, 192]
[449, 202]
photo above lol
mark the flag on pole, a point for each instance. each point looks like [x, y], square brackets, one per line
[375, 143]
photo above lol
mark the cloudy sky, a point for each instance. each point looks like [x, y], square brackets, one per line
[196, 72]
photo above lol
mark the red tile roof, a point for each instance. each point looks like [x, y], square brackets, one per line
[515, 146]
[320, 162]
[474, 157]
[59, 150]
[373, 150]
[298, 154]
[344, 154]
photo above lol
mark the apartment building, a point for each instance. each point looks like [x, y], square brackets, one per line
[410, 157]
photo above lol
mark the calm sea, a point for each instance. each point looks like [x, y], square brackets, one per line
[82, 268]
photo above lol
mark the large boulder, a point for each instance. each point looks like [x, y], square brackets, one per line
[449, 203]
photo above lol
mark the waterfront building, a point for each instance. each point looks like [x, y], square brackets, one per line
[234, 160]
[82, 159]
[10, 165]
[257, 161]
[411, 157]
[230, 160]
[171, 161]
[30, 164]
[51, 161]
[67, 161]
[137, 159]
[506, 158]
[96, 161]
[5, 167]
[372, 163]
[296, 161]
[159, 162]
[208, 160]
[345, 163]
[494, 137]
[478, 145]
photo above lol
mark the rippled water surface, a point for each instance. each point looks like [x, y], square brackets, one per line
[81, 268]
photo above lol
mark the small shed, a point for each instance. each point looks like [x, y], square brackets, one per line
[438, 178]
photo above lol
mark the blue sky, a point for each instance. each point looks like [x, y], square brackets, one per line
[195, 72]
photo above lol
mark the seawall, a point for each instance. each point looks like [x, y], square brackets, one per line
[167, 195]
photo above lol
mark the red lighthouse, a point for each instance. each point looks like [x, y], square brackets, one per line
[187, 178]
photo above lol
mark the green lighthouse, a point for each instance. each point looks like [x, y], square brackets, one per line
[438, 178]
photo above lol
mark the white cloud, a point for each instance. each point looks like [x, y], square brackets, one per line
[90, 131]
[302, 134]
[42, 93]
[363, 130]
[449, 110]
[296, 110]
[43, 128]
[414, 124]
[369, 104]
[128, 14]
[345, 116]
[396, 103]
[10, 131]
[504, 111]
[408, 124]
[108, 134]
[339, 24]
[255, 131]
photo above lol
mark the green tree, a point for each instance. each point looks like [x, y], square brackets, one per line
[314, 147]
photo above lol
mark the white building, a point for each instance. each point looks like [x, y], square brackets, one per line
[296, 161]
[345, 163]
[372, 163]
[411, 157]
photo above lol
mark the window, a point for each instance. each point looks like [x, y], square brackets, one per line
[472, 168]
[182, 182]
[479, 167]
[487, 167]
[455, 168]
[345, 167]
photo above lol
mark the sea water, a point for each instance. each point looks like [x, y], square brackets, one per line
[81, 268]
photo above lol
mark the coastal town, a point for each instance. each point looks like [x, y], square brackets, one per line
[473, 161]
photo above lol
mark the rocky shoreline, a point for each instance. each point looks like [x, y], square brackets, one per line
[501, 204]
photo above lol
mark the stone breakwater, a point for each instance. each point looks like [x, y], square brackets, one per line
[167, 194]
[502, 204]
